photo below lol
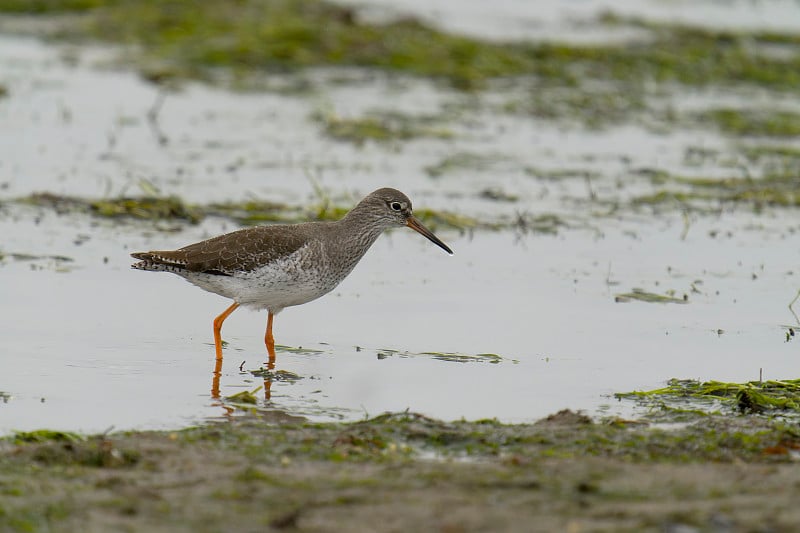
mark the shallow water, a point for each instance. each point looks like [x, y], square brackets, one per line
[100, 345]
[90, 344]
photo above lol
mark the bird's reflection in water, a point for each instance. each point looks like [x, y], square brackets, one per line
[267, 373]
[215, 380]
[268, 379]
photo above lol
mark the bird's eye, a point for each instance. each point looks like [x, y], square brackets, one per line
[396, 206]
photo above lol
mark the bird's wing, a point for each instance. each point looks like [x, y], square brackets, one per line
[241, 250]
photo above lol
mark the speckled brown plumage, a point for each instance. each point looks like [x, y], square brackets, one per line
[240, 251]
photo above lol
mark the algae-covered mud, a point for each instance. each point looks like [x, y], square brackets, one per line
[406, 472]
[622, 207]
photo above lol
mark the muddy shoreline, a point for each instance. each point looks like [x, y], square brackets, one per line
[401, 472]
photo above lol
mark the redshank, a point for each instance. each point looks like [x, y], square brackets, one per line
[277, 266]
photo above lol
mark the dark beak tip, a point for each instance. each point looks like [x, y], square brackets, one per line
[444, 247]
[417, 226]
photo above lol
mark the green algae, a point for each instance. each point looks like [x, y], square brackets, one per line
[546, 223]
[46, 435]
[641, 295]
[244, 397]
[250, 212]
[435, 219]
[774, 188]
[467, 358]
[556, 174]
[699, 56]
[752, 397]
[149, 207]
[242, 44]
[35, 257]
[297, 350]
[276, 375]
[595, 107]
[790, 154]
[778, 187]
[498, 194]
[451, 357]
[574, 435]
[381, 127]
[195, 38]
[753, 122]
[51, 447]
[465, 161]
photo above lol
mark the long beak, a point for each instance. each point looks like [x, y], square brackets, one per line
[414, 223]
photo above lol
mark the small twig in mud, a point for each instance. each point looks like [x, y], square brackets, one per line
[592, 194]
[241, 367]
[112, 143]
[687, 223]
[745, 172]
[319, 191]
[521, 222]
[791, 308]
[609, 282]
[155, 109]
[520, 226]
[152, 118]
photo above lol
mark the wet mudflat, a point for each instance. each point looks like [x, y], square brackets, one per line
[620, 218]
[402, 471]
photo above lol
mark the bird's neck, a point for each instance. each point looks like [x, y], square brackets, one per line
[358, 231]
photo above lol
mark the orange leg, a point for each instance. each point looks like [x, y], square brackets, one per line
[269, 340]
[218, 328]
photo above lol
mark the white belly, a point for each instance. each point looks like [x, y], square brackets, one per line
[293, 280]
